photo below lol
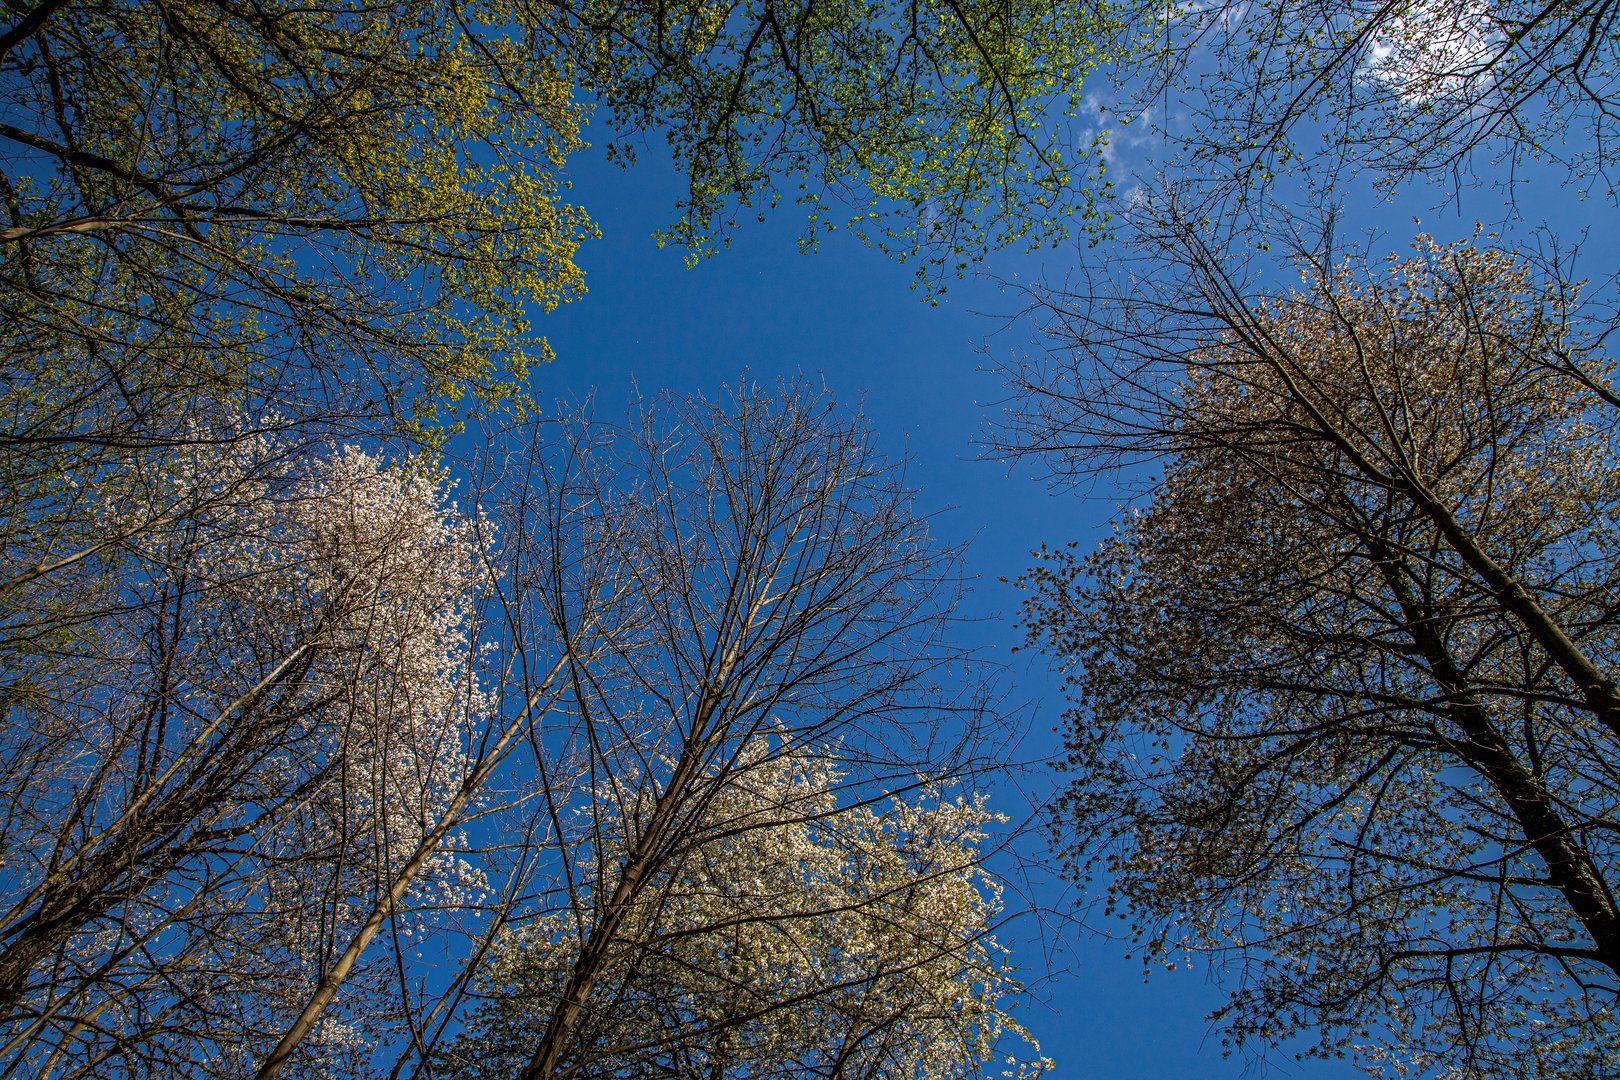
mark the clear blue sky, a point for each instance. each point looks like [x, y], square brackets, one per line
[849, 316]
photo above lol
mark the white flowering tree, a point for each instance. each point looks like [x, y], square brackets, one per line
[776, 635]
[796, 935]
[209, 768]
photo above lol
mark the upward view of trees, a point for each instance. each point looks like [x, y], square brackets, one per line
[760, 756]
[280, 718]
[364, 207]
[223, 725]
[359, 715]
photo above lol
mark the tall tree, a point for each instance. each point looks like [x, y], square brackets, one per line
[206, 769]
[1344, 684]
[790, 614]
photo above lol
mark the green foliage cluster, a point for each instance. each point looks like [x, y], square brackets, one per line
[280, 201]
[940, 127]
[370, 204]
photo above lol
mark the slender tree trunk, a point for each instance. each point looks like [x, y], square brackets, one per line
[327, 988]
[1570, 867]
[638, 867]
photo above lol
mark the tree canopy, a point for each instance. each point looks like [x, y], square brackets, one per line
[291, 719]
[778, 606]
[932, 127]
[1342, 686]
[333, 201]
[259, 673]
[223, 723]
[367, 206]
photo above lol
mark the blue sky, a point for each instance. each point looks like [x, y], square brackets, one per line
[849, 316]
